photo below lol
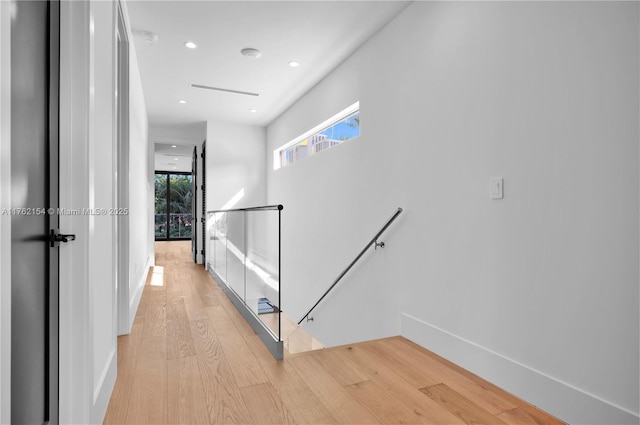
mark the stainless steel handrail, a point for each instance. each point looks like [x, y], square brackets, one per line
[261, 208]
[374, 242]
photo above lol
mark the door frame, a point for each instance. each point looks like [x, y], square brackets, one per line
[122, 175]
[203, 190]
[74, 133]
[53, 290]
[5, 220]
[84, 387]
[77, 403]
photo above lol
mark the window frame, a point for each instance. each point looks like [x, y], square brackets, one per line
[168, 175]
[335, 119]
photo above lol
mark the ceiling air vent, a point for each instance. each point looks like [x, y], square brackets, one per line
[200, 86]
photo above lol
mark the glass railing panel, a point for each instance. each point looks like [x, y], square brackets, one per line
[262, 279]
[244, 254]
[218, 232]
[235, 252]
[300, 341]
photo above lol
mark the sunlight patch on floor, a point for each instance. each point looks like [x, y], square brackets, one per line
[157, 278]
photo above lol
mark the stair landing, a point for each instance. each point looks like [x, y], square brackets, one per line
[296, 339]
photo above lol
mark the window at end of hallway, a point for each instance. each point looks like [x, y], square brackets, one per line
[343, 126]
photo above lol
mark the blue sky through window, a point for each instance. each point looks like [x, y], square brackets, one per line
[343, 126]
[345, 129]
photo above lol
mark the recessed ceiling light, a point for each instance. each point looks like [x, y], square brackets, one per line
[294, 64]
[182, 101]
[253, 110]
[175, 159]
[251, 53]
[190, 45]
[173, 146]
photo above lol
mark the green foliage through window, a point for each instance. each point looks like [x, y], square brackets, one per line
[173, 213]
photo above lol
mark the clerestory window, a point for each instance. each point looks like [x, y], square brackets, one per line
[343, 126]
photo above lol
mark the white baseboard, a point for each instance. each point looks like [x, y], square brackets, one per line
[103, 389]
[137, 296]
[558, 398]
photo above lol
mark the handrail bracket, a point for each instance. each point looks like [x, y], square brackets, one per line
[378, 245]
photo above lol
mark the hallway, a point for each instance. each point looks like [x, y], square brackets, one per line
[192, 359]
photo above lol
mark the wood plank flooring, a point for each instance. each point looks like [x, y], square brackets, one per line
[192, 359]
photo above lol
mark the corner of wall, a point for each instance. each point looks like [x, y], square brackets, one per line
[141, 239]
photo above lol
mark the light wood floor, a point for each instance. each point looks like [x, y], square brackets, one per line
[192, 359]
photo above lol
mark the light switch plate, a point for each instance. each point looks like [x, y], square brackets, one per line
[496, 188]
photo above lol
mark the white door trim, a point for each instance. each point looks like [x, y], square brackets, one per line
[88, 360]
[122, 40]
[5, 220]
[74, 134]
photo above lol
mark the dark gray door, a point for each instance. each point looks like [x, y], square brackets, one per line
[203, 219]
[34, 186]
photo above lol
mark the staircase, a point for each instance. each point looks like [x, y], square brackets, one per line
[296, 339]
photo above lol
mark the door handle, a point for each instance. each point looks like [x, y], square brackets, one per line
[55, 237]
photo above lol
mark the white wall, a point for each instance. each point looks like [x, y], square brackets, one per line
[189, 134]
[537, 292]
[5, 220]
[184, 136]
[235, 162]
[141, 187]
[235, 167]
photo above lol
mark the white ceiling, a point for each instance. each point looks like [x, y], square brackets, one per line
[318, 34]
[173, 157]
